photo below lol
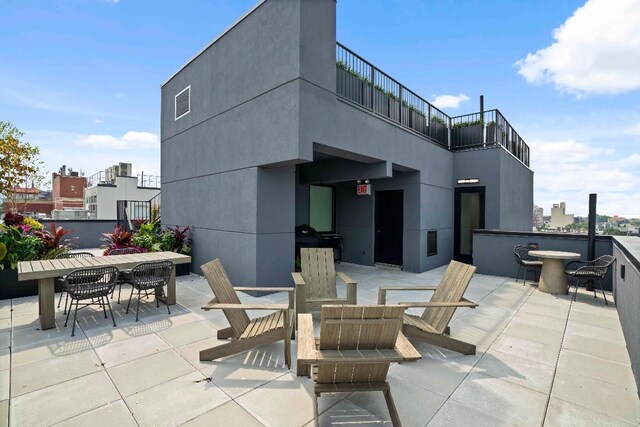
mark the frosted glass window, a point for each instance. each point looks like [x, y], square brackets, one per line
[321, 208]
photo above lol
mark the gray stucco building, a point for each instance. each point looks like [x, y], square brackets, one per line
[273, 124]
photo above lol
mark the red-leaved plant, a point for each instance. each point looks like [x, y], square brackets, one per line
[116, 240]
[53, 239]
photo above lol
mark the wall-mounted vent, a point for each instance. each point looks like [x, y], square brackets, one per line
[183, 102]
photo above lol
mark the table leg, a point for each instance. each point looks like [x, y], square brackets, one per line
[552, 277]
[46, 303]
[170, 298]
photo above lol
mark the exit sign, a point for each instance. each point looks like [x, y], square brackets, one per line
[363, 190]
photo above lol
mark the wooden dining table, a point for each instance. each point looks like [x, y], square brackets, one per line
[45, 271]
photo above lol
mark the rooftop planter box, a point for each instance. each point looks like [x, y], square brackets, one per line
[438, 130]
[467, 134]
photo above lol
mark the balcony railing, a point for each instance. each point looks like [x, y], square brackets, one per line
[144, 181]
[361, 82]
[487, 129]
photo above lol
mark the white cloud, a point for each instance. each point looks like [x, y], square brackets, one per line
[59, 148]
[570, 170]
[129, 140]
[596, 51]
[449, 101]
[97, 121]
[633, 130]
[119, 95]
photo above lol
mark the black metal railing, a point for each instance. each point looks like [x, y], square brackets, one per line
[132, 213]
[485, 129]
[361, 82]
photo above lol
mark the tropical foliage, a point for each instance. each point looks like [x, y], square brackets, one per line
[24, 239]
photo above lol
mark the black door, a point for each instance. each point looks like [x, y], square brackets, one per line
[469, 216]
[389, 227]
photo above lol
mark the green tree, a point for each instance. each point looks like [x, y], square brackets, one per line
[19, 162]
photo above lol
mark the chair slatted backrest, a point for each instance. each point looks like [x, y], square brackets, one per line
[380, 332]
[318, 271]
[452, 287]
[225, 294]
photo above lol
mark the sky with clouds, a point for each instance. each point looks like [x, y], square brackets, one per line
[82, 77]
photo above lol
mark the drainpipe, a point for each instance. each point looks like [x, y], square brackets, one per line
[591, 238]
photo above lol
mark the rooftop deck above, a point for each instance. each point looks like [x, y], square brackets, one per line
[361, 82]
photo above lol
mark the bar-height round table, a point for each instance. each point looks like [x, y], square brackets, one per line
[552, 277]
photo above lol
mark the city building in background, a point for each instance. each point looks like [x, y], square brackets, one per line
[29, 201]
[67, 193]
[538, 216]
[117, 182]
[559, 217]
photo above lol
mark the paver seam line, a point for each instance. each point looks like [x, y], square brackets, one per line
[554, 380]
[491, 414]
[531, 290]
[104, 368]
[555, 369]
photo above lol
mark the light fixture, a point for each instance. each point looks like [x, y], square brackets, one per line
[366, 181]
[359, 181]
[468, 181]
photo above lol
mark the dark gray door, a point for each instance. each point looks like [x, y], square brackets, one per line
[389, 226]
[469, 216]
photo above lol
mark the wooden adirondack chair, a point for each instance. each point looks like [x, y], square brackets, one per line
[433, 325]
[356, 346]
[316, 283]
[247, 333]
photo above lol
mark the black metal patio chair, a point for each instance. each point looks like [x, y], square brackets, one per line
[124, 274]
[528, 262]
[149, 275]
[60, 281]
[92, 283]
[586, 271]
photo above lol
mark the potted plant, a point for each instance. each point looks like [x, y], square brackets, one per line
[177, 239]
[467, 133]
[438, 129]
[23, 239]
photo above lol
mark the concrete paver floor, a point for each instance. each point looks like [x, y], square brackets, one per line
[541, 360]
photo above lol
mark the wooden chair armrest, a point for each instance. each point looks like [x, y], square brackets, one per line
[465, 303]
[409, 288]
[306, 338]
[382, 291]
[248, 306]
[271, 290]
[408, 351]
[345, 278]
[297, 278]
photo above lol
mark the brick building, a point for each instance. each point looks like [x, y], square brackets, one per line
[68, 190]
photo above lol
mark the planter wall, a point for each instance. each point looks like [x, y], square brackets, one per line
[466, 136]
[11, 288]
[183, 269]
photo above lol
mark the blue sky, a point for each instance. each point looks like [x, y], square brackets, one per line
[82, 77]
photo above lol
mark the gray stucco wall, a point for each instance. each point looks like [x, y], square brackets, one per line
[84, 234]
[227, 165]
[508, 183]
[626, 292]
[493, 250]
[263, 101]
[516, 194]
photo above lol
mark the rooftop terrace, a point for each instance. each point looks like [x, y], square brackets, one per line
[541, 360]
[361, 82]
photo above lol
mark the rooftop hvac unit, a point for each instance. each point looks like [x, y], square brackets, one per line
[125, 169]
